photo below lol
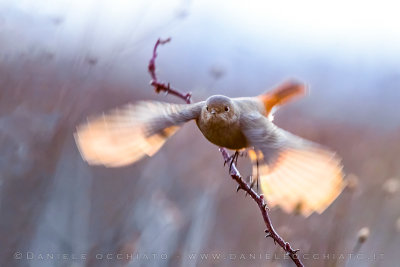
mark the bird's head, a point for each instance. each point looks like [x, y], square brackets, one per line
[219, 107]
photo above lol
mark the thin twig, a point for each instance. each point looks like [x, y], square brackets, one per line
[259, 199]
[160, 86]
[233, 171]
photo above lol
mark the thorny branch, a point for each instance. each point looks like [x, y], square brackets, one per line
[159, 86]
[233, 171]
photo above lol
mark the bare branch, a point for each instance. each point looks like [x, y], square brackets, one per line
[259, 199]
[233, 171]
[160, 86]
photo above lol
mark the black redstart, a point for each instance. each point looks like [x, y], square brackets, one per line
[295, 174]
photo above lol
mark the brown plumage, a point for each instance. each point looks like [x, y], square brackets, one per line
[295, 174]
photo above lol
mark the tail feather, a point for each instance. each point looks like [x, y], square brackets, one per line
[282, 94]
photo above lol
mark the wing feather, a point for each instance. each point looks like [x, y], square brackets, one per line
[295, 174]
[127, 134]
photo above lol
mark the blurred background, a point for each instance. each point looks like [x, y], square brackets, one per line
[61, 61]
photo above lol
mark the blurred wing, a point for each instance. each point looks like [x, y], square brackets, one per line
[126, 134]
[295, 174]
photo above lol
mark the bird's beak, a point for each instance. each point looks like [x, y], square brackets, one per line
[213, 111]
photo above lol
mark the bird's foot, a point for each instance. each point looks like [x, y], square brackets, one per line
[232, 159]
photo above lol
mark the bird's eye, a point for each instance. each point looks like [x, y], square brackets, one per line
[207, 108]
[226, 108]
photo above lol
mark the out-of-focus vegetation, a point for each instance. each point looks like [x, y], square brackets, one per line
[62, 62]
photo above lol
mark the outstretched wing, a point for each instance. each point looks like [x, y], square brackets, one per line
[295, 174]
[126, 134]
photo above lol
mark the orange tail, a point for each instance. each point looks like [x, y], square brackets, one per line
[282, 94]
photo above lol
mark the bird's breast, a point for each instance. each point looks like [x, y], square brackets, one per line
[221, 133]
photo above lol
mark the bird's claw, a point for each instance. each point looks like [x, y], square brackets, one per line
[232, 159]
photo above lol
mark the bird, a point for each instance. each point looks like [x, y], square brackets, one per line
[295, 174]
